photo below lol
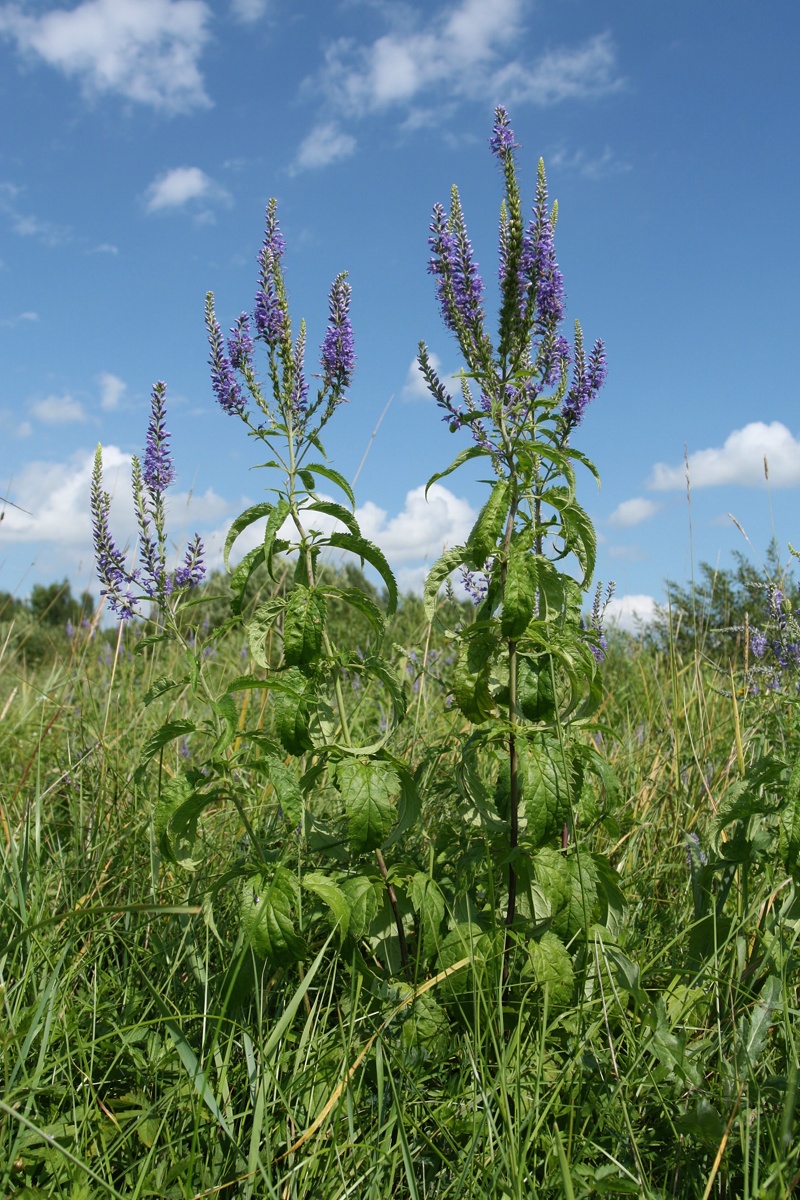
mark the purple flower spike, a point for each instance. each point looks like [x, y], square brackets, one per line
[269, 312]
[240, 344]
[109, 560]
[193, 570]
[223, 378]
[502, 139]
[299, 381]
[460, 286]
[338, 356]
[159, 470]
[587, 379]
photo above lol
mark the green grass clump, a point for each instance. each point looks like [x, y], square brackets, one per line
[147, 1051]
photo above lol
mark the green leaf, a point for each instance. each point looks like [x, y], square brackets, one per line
[337, 511]
[553, 876]
[267, 913]
[225, 708]
[152, 639]
[240, 576]
[274, 522]
[167, 733]
[429, 905]
[334, 477]
[369, 552]
[471, 678]
[552, 968]
[162, 685]
[361, 601]
[580, 909]
[519, 594]
[458, 461]
[753, 1033]
[551, 589]
[488, 529]
[241, 523]
[303, 626]
[259, 629]
[292, 715]
[535, 694]
[368, 788]
[580, 537]
[408, 806]
[364, 898]
[332, 896]
[175, 821]
[287, 789]
[444, 566]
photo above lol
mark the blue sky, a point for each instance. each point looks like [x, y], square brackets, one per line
[143, 138]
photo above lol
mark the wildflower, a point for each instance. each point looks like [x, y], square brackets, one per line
[460, 286]
[587, 379]
[223, 378]
[502, 139]
[109, 560]
[299, 389]
[240, 343]
[338, 357]
[599, 644]
[159, 470]
[270, 312]
[193, 570]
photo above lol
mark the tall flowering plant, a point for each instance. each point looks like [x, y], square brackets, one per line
[527, 675]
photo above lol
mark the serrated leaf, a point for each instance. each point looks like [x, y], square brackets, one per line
[553, 876]
[519, 593]
[167, 733]
[471, 677]
[429, 905]
[151, 639]
[160, 686]
[337, 511]
[303, 626]
[444, 566]
[287, 789]
[756, 1029]
[458, 461]
[579, 911]
[370, 553]
[333, 477]
[291, 714]
[267, 914]
[240, 576]
[332, 896]
[363, 897]
[535, 695]
[361, 601]
[580, 537]
[551, 588]
[241, 523]
[225, 708]
[175, 821]
[488, 528]
[409, 803]
[259, 629]
[271, 544]
[368, 788]
[552, 968]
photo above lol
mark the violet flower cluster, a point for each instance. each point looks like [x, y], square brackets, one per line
[532, 355]
[233, 376]
[126, 588]
[598, 643]
[776, 648]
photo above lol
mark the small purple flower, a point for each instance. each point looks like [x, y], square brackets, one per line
[587, 380]
[223, 378]
[240, 343]
[193, 570]
[502, 140]
[338, 357]
[270, 305]
[159, 471]
[460, 286]
[600, 603]
[109, 560]
[299, 381]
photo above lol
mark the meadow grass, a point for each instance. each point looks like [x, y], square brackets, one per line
[147, 1052]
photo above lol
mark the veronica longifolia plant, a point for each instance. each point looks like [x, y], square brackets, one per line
[527, 671]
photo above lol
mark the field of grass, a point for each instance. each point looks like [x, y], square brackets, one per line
[147, 1050]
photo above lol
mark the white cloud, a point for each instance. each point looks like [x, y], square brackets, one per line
[464, 50]
[181, 185]
[26, 224]
[415, 387]
[740, 461]
[59, 410]
[633, 512]
[106, 248]
[423, 528]
[144, 50]
[248, 11]
[631, 612]
[112, 389]
[598, 166]
[580, 73]
[326, 144]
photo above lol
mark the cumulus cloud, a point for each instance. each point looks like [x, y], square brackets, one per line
[631, 612]
[144, 50]
[325, 144]
[112, 389]
[58, 410]
[181, 186]
[633, 512]
[423, 528]
[463, 49]
[739, 460]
